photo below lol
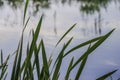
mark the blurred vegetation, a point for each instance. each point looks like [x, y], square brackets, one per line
[1, 3]
[92, 6]
[31, 67]
[86, 6]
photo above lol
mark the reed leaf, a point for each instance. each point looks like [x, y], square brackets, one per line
[67, 44]
[58, 65]
[92, 48]
[33, 44]
[3, 67]
[19, 52]
[15, 65]
[42, 73]
[45, 63]
[3, 72]
[65, 34]
[25, 10]
[59, 59]
[106, 75]
[25, 25]
[81, 68]
[68, 70]
[1, 57]
[36, 61]
[82, 65]
[82, 45]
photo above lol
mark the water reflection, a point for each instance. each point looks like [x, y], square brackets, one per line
[55, 28]
[40, 3]
[92, 6]
[1, 2]
[86, 7]
[90, 16]
[98, 24]
[14, 3]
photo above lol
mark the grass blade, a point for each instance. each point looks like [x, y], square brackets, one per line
[24, 64]
[17, 65]
[25, 25]
[118, 79]
[81, 68]
[82, 45]
[16, 70]
[58, 65]
[30, 71]
[5, 77]
[3, 66]
[3, 72]
[106, 75]
[59, 60]
[65, 34]
[1, 57]
[45, 63]
[68, 71]
[25, 10]
[35, 37]
[92, 48]
[37, 60]
[19, 60]
[14, 65]
[33, 43]
[69, 41]
[82, 65]
[42, 74]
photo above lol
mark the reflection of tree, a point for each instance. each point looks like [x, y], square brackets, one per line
[118, 3]
[40, 3]
[87, 6]
[14, 3]
[55, 28]
[1, 2]
[91, 6]
[36, 3]
[98, 24]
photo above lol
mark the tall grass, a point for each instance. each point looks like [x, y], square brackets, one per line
[31, 68]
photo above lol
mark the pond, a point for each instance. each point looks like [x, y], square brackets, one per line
[93, 19]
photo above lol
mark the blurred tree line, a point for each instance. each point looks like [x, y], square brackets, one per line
[86, 6]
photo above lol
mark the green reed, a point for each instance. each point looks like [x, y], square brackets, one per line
[32, 68]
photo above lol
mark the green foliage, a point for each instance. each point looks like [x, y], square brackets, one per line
[106, 75]
[26, 69]
[31, 66]
[3, 67]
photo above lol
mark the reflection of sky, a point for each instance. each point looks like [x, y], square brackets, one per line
[106, 57]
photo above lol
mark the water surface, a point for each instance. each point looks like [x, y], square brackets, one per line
[59, 15]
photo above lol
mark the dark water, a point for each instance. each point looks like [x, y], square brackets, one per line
[93, 19]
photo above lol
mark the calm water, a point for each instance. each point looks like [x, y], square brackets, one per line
[59, 15]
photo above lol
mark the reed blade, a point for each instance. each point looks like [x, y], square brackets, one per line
[68, 70]
[92, 48]
[45, 63]
[65, 34]
[106, 75]
[25, 10]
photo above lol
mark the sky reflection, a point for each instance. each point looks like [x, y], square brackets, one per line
[57, 19]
